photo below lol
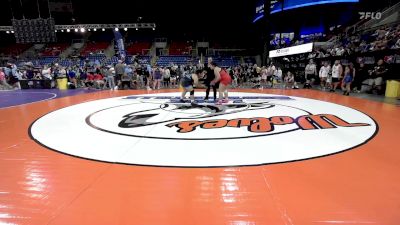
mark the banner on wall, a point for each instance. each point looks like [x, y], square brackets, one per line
[119, 42]
[291, 50]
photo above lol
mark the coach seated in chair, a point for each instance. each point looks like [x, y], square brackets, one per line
[135, 81]
[89, 81]
[98, 81]
[376, 79]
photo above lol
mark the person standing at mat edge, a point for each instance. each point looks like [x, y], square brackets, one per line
[207, 82]
[119, 71]
[337, 71]
[224, 80]
[189, 82]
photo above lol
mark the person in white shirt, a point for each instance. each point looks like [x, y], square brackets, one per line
[63, 72]
[337, 71]
[289, 81]
[264, 76]
[110, 80]
[270, 73]
[166, 77]
[46, 73]
[310, 73]
[277, 76]
[324, 73]
[340, 51]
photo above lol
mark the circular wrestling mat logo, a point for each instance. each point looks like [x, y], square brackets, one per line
[159, 130]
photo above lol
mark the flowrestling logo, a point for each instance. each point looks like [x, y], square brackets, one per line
[159, 130]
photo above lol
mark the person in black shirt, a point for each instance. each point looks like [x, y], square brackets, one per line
[210, 76]
[207, 82]
[377, 77]
[173, 76]
[361, 75]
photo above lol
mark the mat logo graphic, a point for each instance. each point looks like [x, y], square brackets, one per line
[159, 130]
[265, 125]
[170, 114]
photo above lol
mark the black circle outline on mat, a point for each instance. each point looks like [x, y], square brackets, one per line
[199, 167]
[87, 120]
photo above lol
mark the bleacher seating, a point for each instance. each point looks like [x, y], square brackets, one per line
[14, 49]
[94, 48]
[168, 60]
[48, 60]
[225, 62]
[250, 61]
[179, 48]
[97, 57]
[54, 49]
[66, 63]
[111, 61]
[142, 59]
[136, 48]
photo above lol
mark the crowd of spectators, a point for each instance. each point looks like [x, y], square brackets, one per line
[326, 68]
[327, 75]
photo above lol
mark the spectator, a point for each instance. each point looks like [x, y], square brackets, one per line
[72, 77]
[12, 76]
[119, 71]
[89, 82]
[324, 73]
[348, 78]
[3, 81]
[166, 77]
[289, 80]
[125, 81]
[377, 76]
[173, 76]
[157, 78]
[337, 71]
[110, 78]
[98, 81]
[46, 73]
[270, 73]
[310, 74]
[361, 75]
[148, 77]
[277, 76]
[135, 80]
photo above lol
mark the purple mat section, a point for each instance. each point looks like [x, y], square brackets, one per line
[21, 97]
